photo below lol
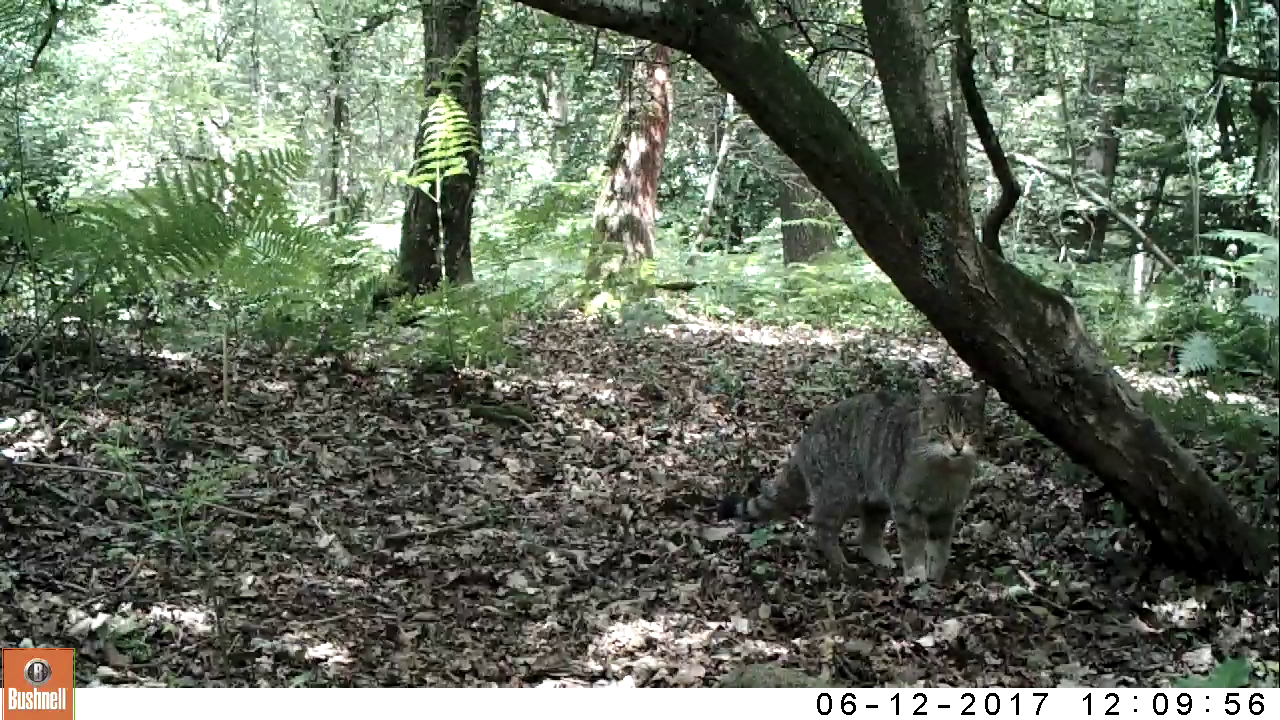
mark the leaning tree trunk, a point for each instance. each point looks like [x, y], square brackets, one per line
[450, 37]
[627, 208]
[1023, 338]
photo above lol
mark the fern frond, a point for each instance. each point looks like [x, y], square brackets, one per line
[448, 141]
[1265, 307]
[1198, 353]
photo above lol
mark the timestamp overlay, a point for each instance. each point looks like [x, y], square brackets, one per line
[1066, 703]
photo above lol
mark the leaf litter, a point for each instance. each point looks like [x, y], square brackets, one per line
[553, 525]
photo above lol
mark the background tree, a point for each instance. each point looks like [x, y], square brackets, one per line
[628, 204]
[442, 222]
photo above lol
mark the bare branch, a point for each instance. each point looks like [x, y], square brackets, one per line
[1010, 190]
[1147, 243]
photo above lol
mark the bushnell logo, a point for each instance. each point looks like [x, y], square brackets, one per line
[37, 672]
[38, 683]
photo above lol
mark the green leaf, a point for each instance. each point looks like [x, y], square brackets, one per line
[760, 537]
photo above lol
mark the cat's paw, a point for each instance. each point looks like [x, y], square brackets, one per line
[913, 575]
[878, 557]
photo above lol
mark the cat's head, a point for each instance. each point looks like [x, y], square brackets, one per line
[951, 425]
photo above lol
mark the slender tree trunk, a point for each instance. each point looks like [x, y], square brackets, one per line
[713, 182]
[1101, 99]
[959, 116]
[339, 45]
[1021, 337]
[553, 98]
[451, 31]
[627, 208]
[336, 184]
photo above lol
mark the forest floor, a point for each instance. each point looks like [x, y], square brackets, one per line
[555, 525]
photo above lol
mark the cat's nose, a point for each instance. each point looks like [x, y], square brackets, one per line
[958, 445]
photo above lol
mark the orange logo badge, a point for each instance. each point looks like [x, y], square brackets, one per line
[38, 683]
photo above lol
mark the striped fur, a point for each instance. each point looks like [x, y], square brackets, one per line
[879, 455]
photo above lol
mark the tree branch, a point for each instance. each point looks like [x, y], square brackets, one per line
[1247, 72]
[1147, 243]
[50, 26]
[667, 22]
[1010, 190]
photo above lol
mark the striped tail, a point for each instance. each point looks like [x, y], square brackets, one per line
[778, 498]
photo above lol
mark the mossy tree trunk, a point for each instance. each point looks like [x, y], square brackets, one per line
[807, 228]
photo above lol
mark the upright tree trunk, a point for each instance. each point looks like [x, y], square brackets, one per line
[339, 127]
[959, 116]
[804, 213]
[450, 31]
[713, 182]
[1101, 100]
[807, 228]
[1264, 104]
[627, 208]
[1023, 338]
[339, 41]
[553, 98]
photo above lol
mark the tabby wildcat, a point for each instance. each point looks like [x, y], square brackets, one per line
[909, 456]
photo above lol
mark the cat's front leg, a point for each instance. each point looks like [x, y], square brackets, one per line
[871, 535]
[937, 546]
[912, 534]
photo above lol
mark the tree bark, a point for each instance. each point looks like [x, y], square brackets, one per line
[959, 118]
[339, 59]
[450, 31]
[1264, 104]
[1021, 337]
[803, 211]
[627, 208]
[807, 232]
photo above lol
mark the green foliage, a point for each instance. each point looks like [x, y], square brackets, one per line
[1240, 315]
[230, 228]
[1232, 673]
[457, 326]
[448, 140]
[842, 290]
[1197, 354]
[1241, 428]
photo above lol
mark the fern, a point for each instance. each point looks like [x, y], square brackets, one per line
[1198, 353]
[448, 140]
